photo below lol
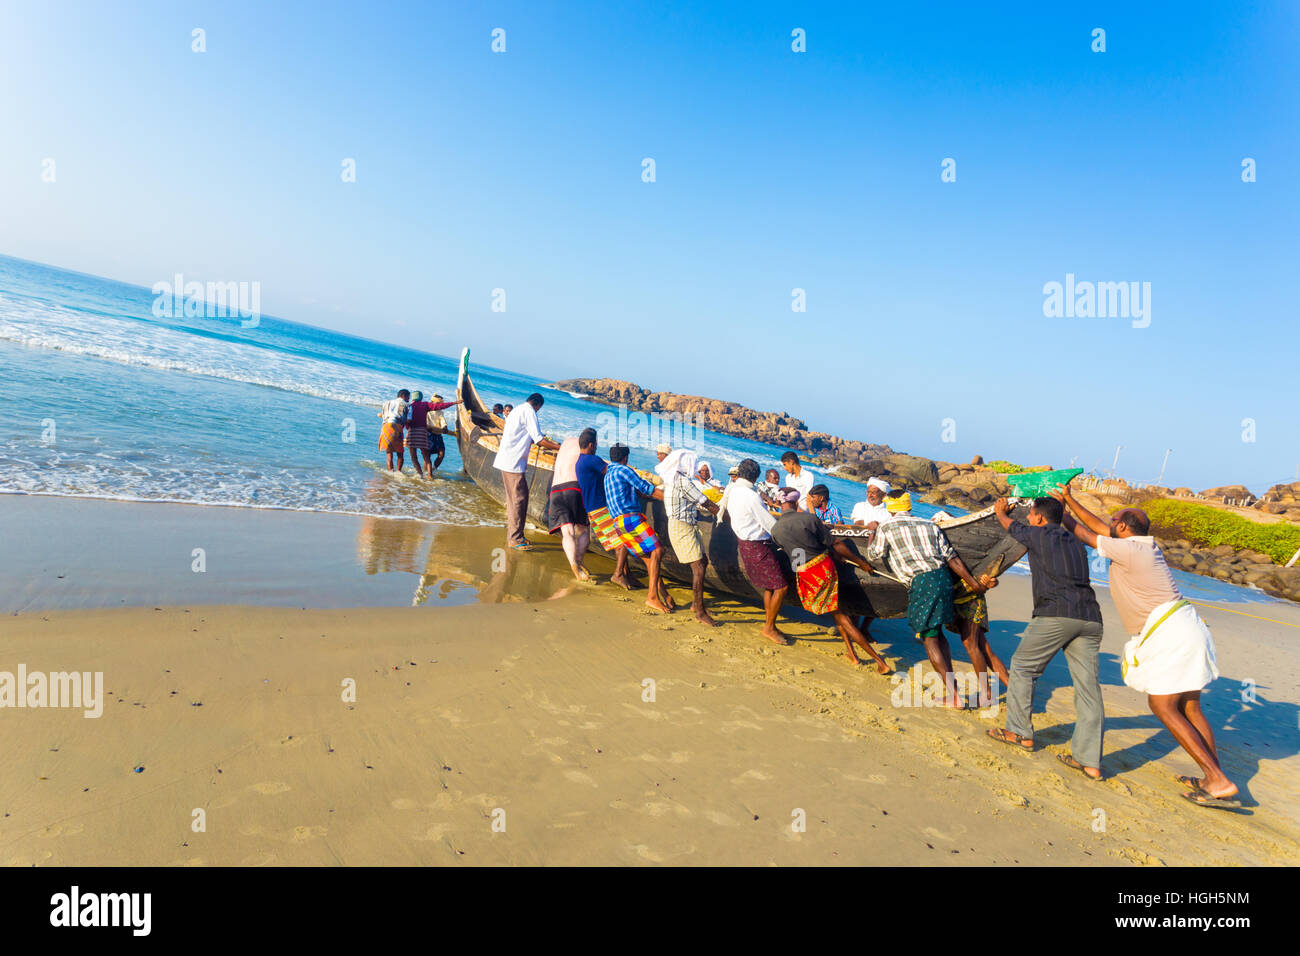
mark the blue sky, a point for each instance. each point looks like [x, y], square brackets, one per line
[775, 170]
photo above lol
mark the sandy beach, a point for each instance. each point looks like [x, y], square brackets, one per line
[493, 730]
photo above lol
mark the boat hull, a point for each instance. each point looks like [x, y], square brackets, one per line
[979, 539]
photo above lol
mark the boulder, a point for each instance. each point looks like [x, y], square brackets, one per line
[1223, 551]
[1254, 557]
[918, 472]
[977, 460]
[1229, 492]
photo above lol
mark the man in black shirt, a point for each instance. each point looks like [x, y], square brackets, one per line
[1066, 617]
[812, 551]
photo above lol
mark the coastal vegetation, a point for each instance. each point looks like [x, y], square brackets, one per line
[1010, 468]
[1211, 527]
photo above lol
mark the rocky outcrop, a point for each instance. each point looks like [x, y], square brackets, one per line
[1281, 500]
[730, 418]
[1247, 568]
[1238, 494]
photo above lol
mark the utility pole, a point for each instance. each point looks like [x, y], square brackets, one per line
[1161, 479]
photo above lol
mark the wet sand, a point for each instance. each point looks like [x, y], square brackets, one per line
[538, 710]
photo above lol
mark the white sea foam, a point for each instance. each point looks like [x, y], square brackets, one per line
[128, 342]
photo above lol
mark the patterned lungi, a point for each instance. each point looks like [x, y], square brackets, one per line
[390, 437]
[761, 565]
[417, 436]
[818, 583]
[969, 607]
[604, 529]
[636, 534]
[929, 602]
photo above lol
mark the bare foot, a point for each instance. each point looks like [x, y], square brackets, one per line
[884, 668]
[775, 635]
[702, 616]
[667, 599]
[625, 581]
[853, 659]
[654, 604]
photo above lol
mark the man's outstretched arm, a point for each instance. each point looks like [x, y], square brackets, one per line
[1094, 524]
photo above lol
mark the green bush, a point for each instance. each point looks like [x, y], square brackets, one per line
[1209, 527]
[1009, 468]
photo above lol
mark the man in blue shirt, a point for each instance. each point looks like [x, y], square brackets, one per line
[591, 480]
[623, 486]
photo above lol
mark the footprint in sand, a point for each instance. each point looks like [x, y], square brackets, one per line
[272, 787]
[261, 859]
[721, 819]
[645, 853]
[1011, 797]
[577, 776]
[750, 775]
[404, 803]
[301, 834]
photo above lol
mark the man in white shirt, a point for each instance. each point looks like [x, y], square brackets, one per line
[873, 509]
[518, 436]
[752, 524]
[798, 477]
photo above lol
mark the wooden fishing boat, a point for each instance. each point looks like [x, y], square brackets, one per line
[978, 538]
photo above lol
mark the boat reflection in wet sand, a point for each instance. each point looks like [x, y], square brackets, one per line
[451, 565]
[978, 538]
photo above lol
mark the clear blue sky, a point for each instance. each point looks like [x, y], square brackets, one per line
[775, 170]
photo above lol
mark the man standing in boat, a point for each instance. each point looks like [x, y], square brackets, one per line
[520, 433]
[797, 477]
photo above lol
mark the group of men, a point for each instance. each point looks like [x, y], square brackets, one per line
[783, 537]
[409, 422]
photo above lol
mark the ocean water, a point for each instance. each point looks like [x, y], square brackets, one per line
[100, 398]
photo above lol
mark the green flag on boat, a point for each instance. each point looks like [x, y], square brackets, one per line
[1040, 484]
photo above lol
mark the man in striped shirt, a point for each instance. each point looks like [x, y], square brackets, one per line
[917, 552]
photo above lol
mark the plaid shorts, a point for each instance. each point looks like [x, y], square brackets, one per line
[605, 529]
[637, 535]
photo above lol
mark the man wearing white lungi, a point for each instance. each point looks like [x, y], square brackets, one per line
[1170, 656]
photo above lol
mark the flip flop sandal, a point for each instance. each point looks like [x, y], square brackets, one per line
[1011, 739]
[1191, 783]
[1069, 761]
[1203, 798]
